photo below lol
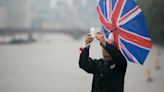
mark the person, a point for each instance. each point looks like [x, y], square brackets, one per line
[108, 72]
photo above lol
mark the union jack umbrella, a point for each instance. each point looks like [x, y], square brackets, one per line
[126, 22]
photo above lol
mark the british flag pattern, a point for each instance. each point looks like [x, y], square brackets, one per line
[125, 20]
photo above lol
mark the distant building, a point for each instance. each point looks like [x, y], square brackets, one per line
[48, 14]
[19, 13]
[54, 3]
[3, 17]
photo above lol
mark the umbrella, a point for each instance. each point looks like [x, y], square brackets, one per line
[126, 22]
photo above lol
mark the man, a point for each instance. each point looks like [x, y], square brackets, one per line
[108, 72]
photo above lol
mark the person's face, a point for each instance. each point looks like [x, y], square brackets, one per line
[106, 55]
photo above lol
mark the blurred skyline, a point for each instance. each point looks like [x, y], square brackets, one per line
[69, 15]
[48, 14]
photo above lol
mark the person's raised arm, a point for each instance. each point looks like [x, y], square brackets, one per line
[85, 62]
[112, 50]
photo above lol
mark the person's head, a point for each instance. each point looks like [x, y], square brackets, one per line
[106, 55]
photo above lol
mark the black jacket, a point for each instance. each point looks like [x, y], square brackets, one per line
[107, 77]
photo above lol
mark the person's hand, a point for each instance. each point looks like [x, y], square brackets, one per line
[88, 39]
[100, 37]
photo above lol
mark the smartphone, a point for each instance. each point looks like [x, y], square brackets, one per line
[92, 32]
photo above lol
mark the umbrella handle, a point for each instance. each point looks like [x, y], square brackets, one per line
[91, 43]
[82, 48]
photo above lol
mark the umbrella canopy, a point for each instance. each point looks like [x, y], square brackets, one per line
[126, 22]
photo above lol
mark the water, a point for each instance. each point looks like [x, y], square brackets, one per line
[52, 66]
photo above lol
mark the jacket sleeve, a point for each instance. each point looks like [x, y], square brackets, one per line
[116, 55]
[85, 62]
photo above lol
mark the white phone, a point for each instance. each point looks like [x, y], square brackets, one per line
[92, 32]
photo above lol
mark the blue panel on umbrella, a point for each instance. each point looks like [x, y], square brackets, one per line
[127, 57]
[139, 53]
[105, 32]
[113, 3]
[137, 25]
[103, 6]
[129, 5]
